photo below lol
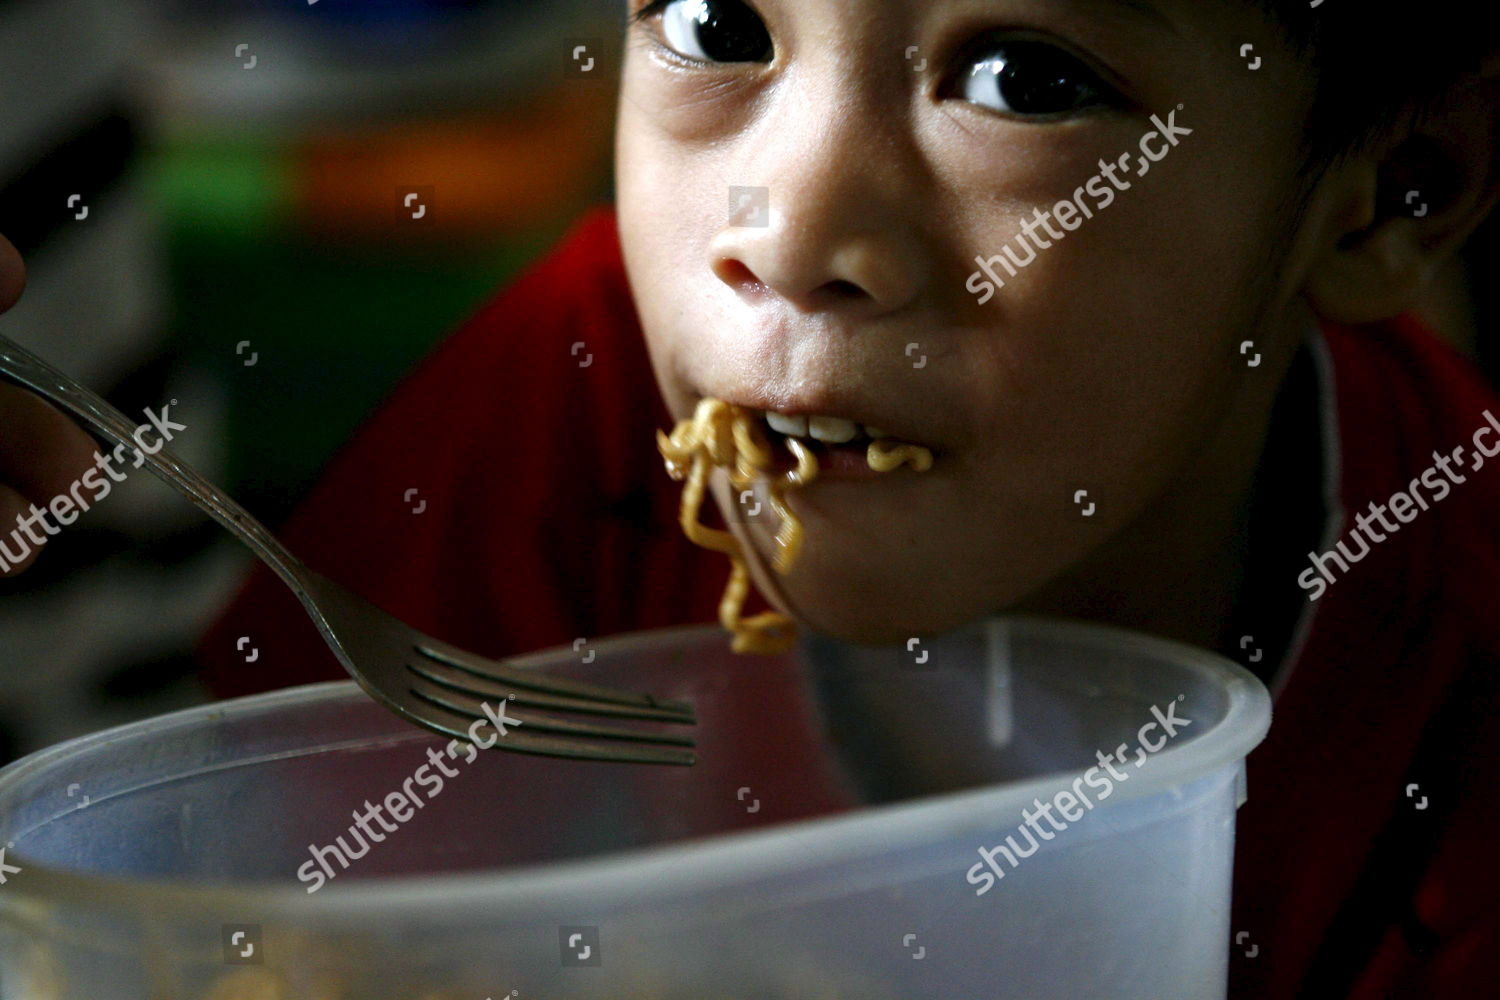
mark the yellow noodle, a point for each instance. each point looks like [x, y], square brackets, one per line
[885, 455]
[722, 435]
[789, 534]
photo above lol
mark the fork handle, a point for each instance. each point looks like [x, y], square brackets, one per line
[19, 365]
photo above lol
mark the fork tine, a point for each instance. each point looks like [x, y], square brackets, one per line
[546, 684]
[473, 685]
[519, 741]
[455, 702]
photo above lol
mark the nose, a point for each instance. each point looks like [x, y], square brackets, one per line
[837, 236]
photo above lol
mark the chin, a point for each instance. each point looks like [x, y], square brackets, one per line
[875, 611]
[858, 625]
[861, 630]
[869, 598]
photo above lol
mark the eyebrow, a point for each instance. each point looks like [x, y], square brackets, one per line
[1140, 7]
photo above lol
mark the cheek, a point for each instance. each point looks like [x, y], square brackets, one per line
[1106, 358]
[655, 244]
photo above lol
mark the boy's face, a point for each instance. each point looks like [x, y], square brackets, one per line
[899, 143]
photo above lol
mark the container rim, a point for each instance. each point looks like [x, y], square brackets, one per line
[641, 872]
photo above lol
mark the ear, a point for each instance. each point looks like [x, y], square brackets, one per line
[1390, 217]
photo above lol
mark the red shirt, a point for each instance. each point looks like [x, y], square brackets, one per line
[529, 436]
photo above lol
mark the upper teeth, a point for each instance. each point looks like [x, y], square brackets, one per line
[833, 430]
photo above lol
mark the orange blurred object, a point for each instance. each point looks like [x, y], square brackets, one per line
[476, 176]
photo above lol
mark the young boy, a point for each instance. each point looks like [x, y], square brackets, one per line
[1134, 272]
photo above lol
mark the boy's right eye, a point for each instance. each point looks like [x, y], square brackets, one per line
[1026, 78]
[711, 31]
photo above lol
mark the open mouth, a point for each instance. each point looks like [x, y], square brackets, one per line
[744, 441]
[843, 447]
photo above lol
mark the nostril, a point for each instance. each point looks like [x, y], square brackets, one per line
[841, 289]
[837, 293]
[736, 275]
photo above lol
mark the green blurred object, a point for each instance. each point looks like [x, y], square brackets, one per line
[332, 327]
[242, 186]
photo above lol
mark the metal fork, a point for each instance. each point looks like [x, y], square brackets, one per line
[430, 683]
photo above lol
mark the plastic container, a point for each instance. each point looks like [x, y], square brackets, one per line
[827, 844]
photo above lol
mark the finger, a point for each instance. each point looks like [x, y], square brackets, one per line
[42, 452]
[16, 550]
[12, 274]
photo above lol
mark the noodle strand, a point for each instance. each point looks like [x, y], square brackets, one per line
[722, 435]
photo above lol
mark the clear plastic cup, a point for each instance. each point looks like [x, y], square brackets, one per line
[827, 844]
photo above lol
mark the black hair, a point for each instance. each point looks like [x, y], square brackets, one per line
[1380, 63]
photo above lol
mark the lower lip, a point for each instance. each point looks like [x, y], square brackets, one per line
[835, 461]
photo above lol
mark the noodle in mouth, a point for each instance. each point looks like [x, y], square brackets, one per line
[723, 435]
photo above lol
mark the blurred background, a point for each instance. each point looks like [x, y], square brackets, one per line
[268, 211]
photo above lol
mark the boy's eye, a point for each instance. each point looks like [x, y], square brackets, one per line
[716, 31]
[1030, 78]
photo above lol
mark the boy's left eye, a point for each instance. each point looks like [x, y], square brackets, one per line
[712, 31]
